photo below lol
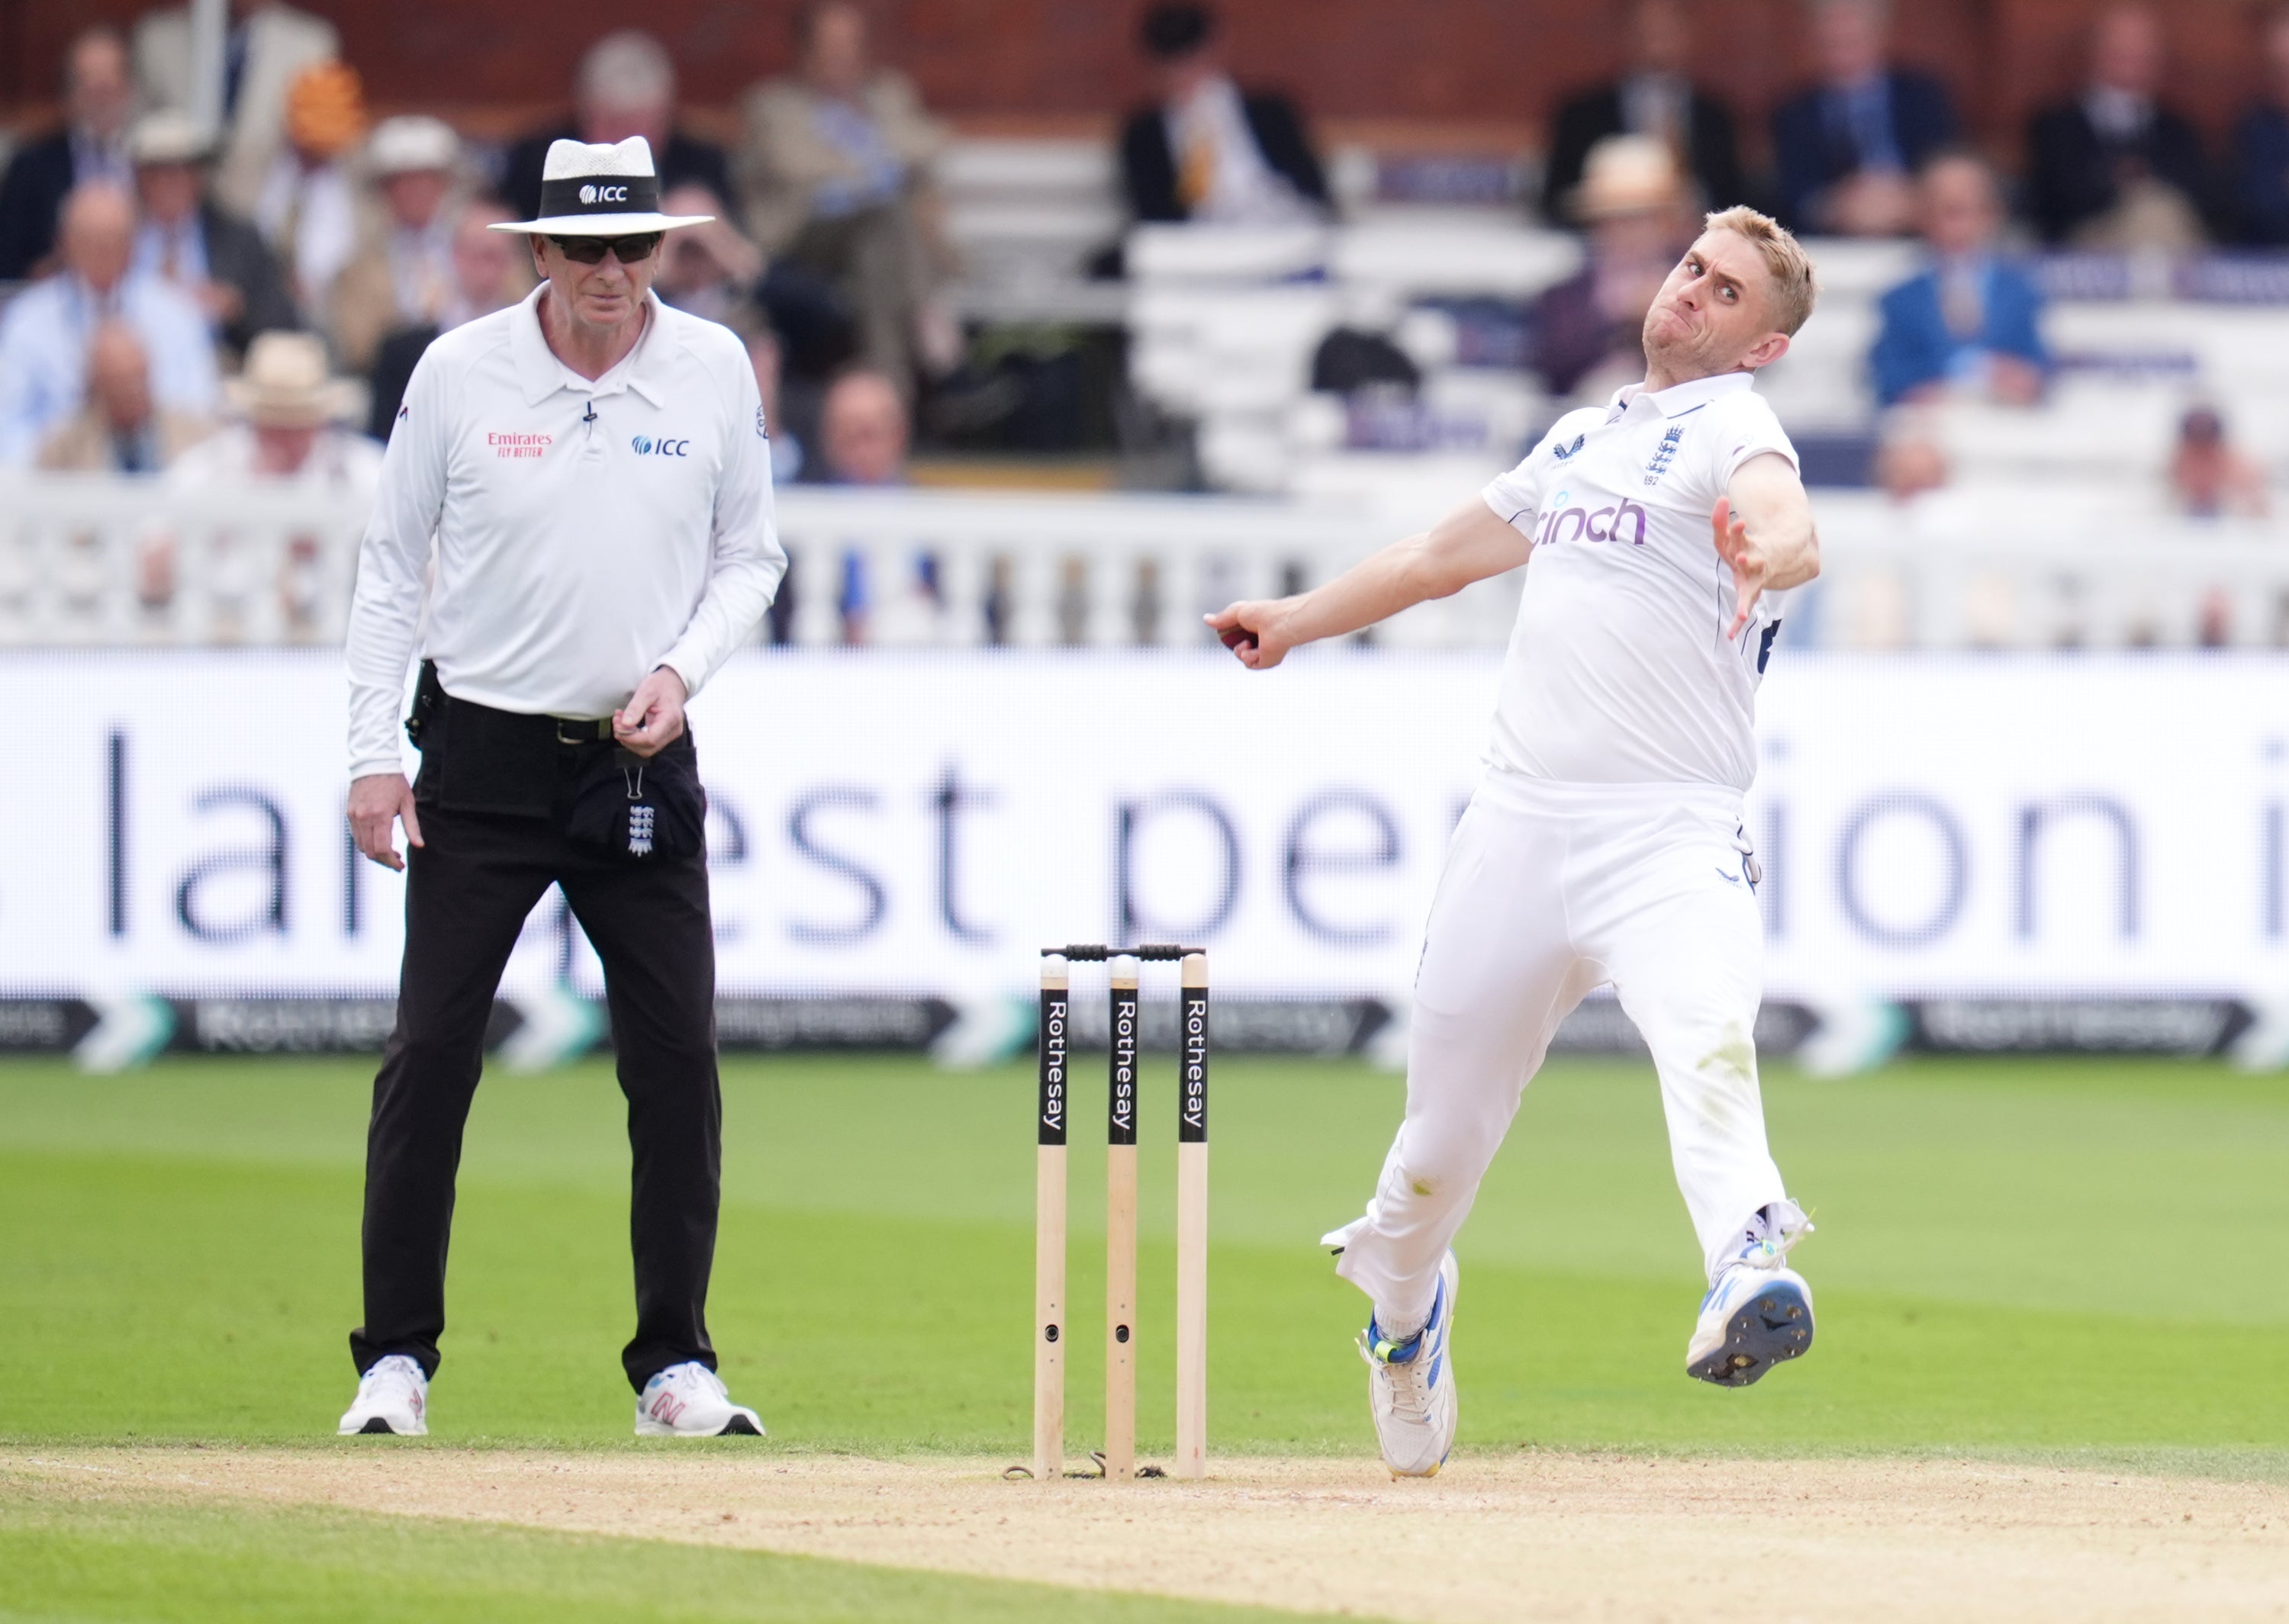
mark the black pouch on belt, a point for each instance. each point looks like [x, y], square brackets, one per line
[641, 808]
[475, 758]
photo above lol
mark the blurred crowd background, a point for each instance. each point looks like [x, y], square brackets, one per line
[1332, 258]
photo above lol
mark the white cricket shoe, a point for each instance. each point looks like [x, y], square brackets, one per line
[689, 1401]
[1410, 1385]
[393, 1397]
[1760, 1311]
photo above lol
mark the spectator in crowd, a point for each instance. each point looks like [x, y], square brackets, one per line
[1970, 326]
[268, 47]
[289, 434]
[1654, 97]
[48, 328]
[122, 429]
[864, 433]
[838, 183]
[188, 239]
[625, 86]
[2261, 146]
[491, 270]
[98, 99]
[2115, 168]
[307, 209]
[1910, 461]
[1588, 329]
[764, 355]
[2209, 478]
[403, 273]
[1844, 149]
[710, 270]
[1206, 150]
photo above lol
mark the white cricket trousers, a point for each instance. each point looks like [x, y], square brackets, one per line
[1549, 890]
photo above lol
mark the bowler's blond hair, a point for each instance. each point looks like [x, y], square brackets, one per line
[1794, 286]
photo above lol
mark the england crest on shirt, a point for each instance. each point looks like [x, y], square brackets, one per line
[1664, 454]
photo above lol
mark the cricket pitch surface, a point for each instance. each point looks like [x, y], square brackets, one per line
[1538, 1535]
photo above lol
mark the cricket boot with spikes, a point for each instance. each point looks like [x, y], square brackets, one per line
[1759, 1311]
[1410, 1385]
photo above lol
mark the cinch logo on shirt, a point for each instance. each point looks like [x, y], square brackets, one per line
[1597, 523]
[646, 446]
[520, 445]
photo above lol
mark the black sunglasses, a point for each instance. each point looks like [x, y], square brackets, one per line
[627, 250]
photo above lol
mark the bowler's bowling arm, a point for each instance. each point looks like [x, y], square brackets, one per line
[1768, 494]
[1469, 545]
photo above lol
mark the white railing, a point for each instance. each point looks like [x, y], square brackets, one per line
[103, 561]
[99, 559]
[116, 561]
[2025, 575]
[1122, 570]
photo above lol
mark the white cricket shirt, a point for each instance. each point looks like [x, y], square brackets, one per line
[582, 532]
[1620, 670]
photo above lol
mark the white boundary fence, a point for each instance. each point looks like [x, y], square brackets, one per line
[95, 562]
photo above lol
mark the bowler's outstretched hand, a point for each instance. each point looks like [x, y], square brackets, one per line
[1250, 630]
[1751, 567]
[653, 717]
[376, 801]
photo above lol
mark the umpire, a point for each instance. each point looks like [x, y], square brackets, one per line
[575, 523]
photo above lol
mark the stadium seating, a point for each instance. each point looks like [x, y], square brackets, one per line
[2056, 525]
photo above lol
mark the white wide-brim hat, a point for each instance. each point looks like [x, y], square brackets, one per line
[168, 137]
[410, 143]
[288, 385]
[1628, 174]
[600, 191]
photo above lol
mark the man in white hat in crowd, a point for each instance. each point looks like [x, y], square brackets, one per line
[289, 432]
[402, 275]
[188, 239]
[594, 468]
[291, 417]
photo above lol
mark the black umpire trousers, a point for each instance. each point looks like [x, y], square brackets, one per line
[468, 890]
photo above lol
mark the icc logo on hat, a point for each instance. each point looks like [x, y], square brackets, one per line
[593, 190]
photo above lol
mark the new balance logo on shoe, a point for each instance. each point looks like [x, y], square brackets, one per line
[689, 1401]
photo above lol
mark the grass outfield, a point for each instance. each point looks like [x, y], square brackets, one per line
[98, 1560]
[2013, 1258]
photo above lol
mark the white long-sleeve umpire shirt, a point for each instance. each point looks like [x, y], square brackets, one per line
[584, 533]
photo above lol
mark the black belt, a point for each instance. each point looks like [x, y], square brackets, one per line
[431, 702]
[476, 758]
[579, 730]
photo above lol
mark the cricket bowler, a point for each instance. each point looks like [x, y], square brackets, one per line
[1605, 843]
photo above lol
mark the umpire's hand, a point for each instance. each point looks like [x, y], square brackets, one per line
[377, 800]
[653, 717]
